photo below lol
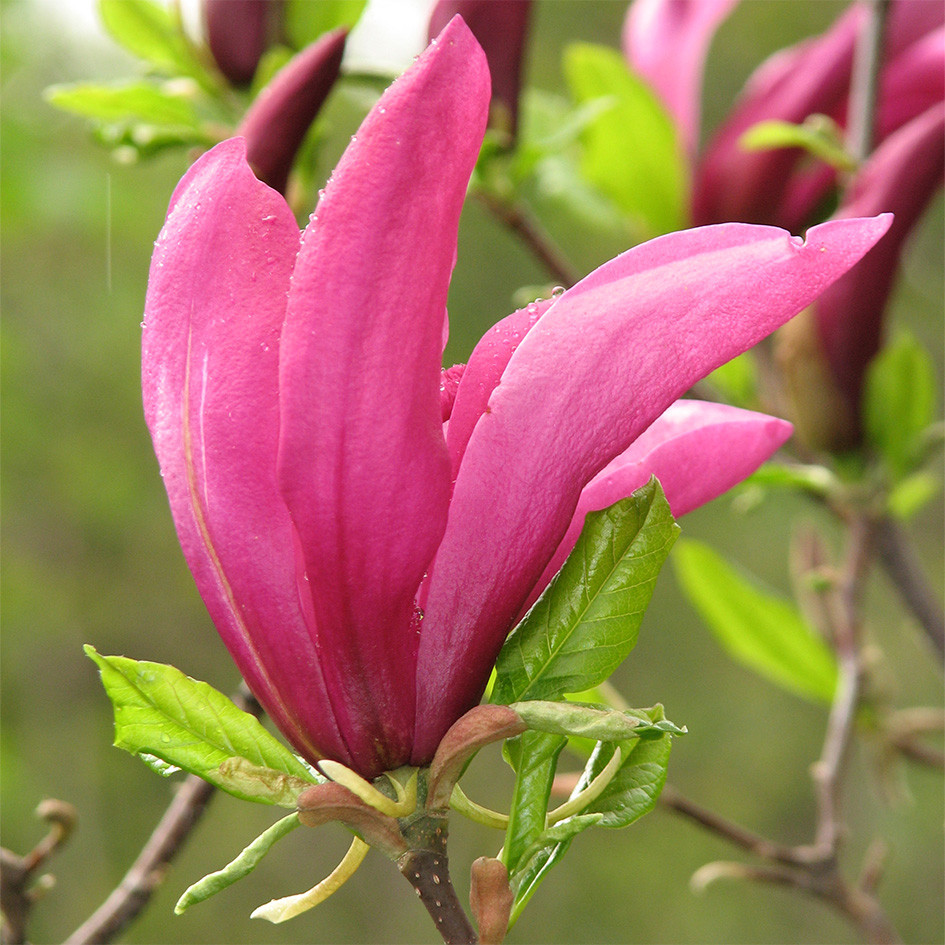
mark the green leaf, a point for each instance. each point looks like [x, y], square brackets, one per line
[635, 787]
[161, 712]
[758, 628]
[141, 101]
[152, 32]
[899, 402]
[586, 621]
[542, 855]
[819, 135]
[817, 480]
[305, 21]
[737, 380]
[242, 866]
[912, 494]
[631, 150]
[534, 756]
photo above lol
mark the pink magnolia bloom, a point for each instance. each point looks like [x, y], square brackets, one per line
[362, 559]
[666, 42]
[777, 186]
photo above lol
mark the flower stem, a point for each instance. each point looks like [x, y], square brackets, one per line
[426, 867]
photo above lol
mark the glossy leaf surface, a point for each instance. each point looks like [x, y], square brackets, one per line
[586, 622]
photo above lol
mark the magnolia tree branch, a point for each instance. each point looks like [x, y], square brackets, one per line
[905, 571]
[864, 82]
[815, 868]
[511, 215]
[147, 872]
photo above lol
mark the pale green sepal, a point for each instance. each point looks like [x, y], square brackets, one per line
[242, 866]
[595, 722]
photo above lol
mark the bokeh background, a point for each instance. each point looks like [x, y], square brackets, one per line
[90, 556]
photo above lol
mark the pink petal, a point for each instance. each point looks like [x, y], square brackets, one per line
[697, 450]
[602, 363]
[363, 465]
[214, 310]
[666, 42]
[484, 371]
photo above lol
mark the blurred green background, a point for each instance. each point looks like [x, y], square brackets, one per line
[90, 556]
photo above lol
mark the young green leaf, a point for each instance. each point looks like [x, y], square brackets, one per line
[899, 402]
[631, 150]
[546, 851]
[139, 101]
[242, 866]
[758, 628]
[306, 21]
[635, 788]
[820, 136]
[586, 622]
[161, 712]
[151, 31]
[534, 756]
[595, 722]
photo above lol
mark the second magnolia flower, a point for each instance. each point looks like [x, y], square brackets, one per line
[365, 529]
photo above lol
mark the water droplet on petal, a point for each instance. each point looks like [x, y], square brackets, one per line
[557, 291]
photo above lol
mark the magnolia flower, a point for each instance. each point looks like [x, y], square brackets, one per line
[666, 42]
[843, 330]
[778, 185]
[362, 557]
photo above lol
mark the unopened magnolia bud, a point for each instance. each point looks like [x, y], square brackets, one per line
[239, 32]
[491, 899]
[500, 26]
[277, 121]
[822, 418]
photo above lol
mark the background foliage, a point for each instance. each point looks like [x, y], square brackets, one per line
[90, 556]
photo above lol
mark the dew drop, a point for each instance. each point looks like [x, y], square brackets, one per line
[557, 292]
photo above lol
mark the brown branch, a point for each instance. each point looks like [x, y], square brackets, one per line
[814, 868]
[754, 843]
[843, 607]
[864, 82]
[19, 887]
[513, 216]
[147, 872]
[905, 571]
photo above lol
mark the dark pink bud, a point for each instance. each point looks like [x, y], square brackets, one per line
[902, 176]
[277, 121]
[500, 27]
[239, 32]
[774, 186]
